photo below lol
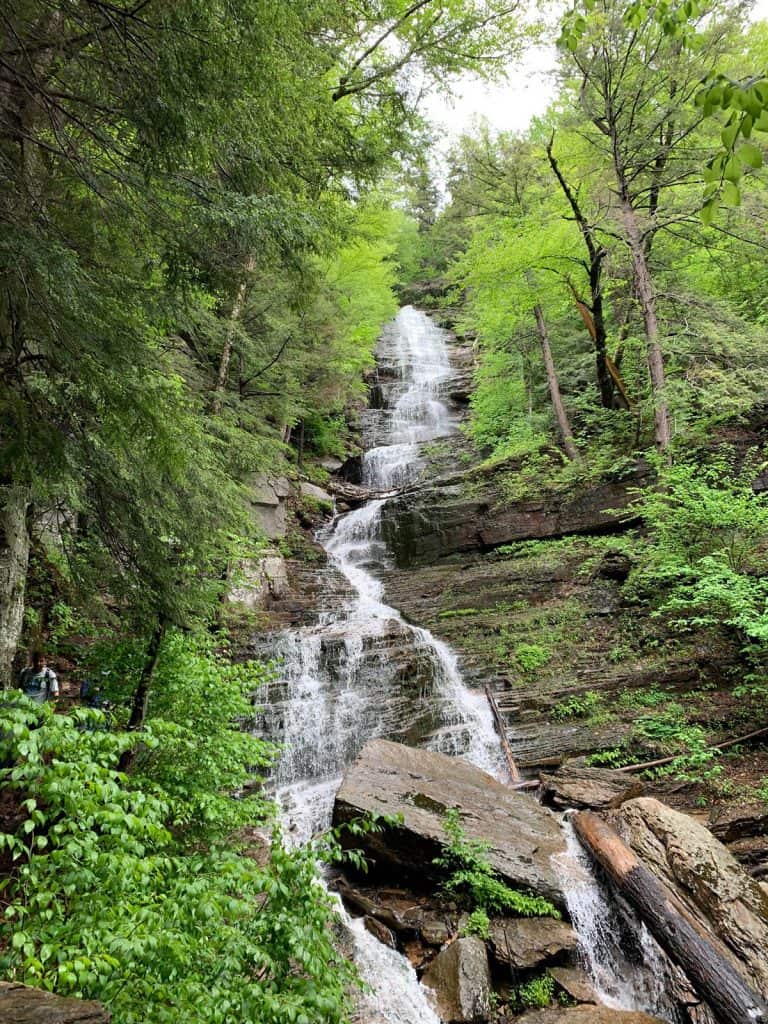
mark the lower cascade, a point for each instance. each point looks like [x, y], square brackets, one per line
[361, 672]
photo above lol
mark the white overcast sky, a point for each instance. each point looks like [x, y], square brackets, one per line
[510, 106]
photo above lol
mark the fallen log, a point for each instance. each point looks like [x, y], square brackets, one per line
[645, 765]
[514, 774]
[354, 494]
[685, 940]
[661, 761]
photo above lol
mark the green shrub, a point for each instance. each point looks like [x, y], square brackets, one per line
[133, 889]
[531, 656]
[472, 879]
[585, 705]
[478, 923]
[537, 992]
[707, 561]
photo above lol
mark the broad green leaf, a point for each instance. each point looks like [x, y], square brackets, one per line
[750, 155]
[731, 194]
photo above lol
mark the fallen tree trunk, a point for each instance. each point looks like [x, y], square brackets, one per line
[514, 774]
[715, 746]
[685, 941]
[660, 761]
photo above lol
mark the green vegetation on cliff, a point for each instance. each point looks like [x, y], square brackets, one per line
[206, 210]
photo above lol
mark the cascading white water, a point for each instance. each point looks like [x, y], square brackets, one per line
[341, 684]
[350, 678]
[635, 979]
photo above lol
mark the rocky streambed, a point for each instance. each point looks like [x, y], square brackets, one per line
[593, 959]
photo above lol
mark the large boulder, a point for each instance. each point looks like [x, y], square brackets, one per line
[254, 582]
[421, 786]
[577, 786]
[268, 495]
[586, 1015]
[706, 877]
[528, 942]
[22, 1005]
[461, 981]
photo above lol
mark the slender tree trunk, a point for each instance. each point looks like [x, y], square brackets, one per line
[14, 562]
[594, 317]
[141, 694]
[140, 699]
[226, 353]
[646, 295]
[300, 461]
[554, 386]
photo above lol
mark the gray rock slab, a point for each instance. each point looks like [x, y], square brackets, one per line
[527, 942]
[586, 1015]
[574, 785]
[420, 786]
[20, 1004]
[308, 490]
[575, 982]
[461, 981]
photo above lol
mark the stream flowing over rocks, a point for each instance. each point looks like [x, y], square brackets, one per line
[375, 715]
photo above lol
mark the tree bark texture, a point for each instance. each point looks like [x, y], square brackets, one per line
[141, 695]
[14, 561]
[685, 941]
[554, 386]
[226, 353]
[646, 295]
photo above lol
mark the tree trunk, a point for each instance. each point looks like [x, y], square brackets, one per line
[14, 561]
[554, 386]
[595, 317]
[226, 353]
[141, 694]
[140, 699]
[646, 295]
[684, 940]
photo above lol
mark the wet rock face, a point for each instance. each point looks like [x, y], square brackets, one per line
[22, 1005]
[706, 877]
[422, 786]
[577, 786]
[461, 982]
[586, 1015]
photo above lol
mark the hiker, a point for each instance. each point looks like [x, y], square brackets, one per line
[39, 682]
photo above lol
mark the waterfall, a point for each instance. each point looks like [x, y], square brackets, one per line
[362, 672]
[627, 969]
[341, 685]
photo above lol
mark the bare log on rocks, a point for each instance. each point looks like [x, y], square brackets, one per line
[514, 774]
[685, 941]
[715, 746]
[354, 494]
